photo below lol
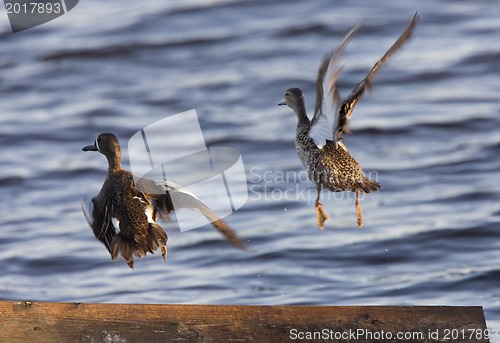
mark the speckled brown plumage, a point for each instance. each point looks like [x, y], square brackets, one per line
[120, 211]
[332, 166]
[319, 141]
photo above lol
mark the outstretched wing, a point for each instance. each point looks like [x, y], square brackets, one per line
[185, 200]
[327, 95]
[345, 112]
[162, 191]
[159, 191]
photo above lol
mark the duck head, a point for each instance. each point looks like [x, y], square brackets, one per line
[295, 100]
[108, 145]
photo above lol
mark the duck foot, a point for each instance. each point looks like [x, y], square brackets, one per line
[359, 213]
[321, 215]
[164, 253]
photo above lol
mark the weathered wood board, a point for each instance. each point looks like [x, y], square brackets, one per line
[88, 322]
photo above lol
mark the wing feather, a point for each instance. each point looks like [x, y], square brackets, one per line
[100, 219]
[162, 191]
[345, 112]
[327, 95]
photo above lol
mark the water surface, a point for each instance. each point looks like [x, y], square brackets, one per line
[427, 131]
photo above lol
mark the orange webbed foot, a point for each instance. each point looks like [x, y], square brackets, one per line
[321, 215]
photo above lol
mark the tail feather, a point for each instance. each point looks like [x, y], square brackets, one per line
[120, 246]
[368, 185]
[140, 246]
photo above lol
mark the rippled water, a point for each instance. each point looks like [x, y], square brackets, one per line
[428, 131]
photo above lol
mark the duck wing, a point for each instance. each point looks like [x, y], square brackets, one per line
[163, 190]
[100, 218]
[345, 111]
[327, 95]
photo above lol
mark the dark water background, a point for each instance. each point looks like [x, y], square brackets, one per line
[429, 131]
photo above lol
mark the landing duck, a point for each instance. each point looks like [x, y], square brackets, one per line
[319, 140]
[123, 216]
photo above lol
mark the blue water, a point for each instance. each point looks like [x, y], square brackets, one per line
[428, 131]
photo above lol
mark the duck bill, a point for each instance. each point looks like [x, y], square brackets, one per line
[90, 147]
[282, 102]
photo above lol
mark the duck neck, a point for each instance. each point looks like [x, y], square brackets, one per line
[114, 162]
[301, 113]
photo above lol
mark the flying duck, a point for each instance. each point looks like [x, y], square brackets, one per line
[124, 217]
[318, 141]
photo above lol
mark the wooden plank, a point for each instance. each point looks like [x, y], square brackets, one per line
[87, 322]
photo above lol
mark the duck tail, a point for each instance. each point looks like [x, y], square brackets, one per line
[369, 185]
[154, 239]
[120, 246]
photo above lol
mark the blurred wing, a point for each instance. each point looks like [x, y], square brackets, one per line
[159, 191]
[347, 107]
[88, 209]
[157, 187]
[327, 95]
[100, 219]
[184, 200]
[162, 192]
[173, 187]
